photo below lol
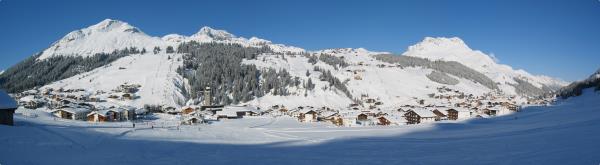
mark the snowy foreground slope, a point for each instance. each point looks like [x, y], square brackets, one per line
[565, 133]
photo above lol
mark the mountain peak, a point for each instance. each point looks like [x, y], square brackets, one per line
[104, 37]
[213, 33]
[441, 42]
[111, 24]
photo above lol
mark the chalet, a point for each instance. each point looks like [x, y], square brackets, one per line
[193, 120]
[419, 116]
[510, 106]
[31, 102]
[364, 119]
[104, 115]
[187, 110]
[244, 110]
[71, 113]
[283, 111]
[212, 108]
[349, 121]
[452, 114]
[440, 115]
[390, 120]
[128, 113]
[490, 111]
[308, 115]
[7, 109]
[349, 117]
[332, 117]
[235, 112]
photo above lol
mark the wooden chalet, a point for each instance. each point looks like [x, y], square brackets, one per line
[452, 114]
[7, 109]
[307, 115]
[71, 113]
[419, 116]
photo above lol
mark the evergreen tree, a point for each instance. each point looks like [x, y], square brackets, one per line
[156, 50]
[170, 50]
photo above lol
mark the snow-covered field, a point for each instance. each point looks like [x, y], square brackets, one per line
[566, 133]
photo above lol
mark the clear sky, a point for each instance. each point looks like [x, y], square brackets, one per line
[559, 38]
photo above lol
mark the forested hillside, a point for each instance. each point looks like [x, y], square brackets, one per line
[218, 66]
[32, 72]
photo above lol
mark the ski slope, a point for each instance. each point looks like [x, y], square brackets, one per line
[565, 133]
[156, 74]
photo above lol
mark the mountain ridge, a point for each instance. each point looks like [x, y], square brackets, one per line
[345, 74]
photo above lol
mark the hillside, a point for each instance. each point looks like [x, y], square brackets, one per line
[576, 88]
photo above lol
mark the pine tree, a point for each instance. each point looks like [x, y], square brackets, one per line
[170, 50]
[156, 50]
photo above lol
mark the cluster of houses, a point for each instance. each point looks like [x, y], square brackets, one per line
[79, 104]
[206, 114]
[446, 104]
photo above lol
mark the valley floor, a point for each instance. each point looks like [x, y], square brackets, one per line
[566, 133]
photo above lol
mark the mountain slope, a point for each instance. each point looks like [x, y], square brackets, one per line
[246, 71]
[455, 49]
[576, 88]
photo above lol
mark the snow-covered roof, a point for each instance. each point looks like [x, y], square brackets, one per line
[7, 102]
[306, 110]
[74, 110]
[231, 111]
[442, 111]
[240, 108]
[395, 119]
[424, 113]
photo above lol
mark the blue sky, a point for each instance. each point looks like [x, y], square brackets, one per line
[560, 38]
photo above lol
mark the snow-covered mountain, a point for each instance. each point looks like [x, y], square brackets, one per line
[104, 37]
[110, 35]
[207, 34]
[455, 49]
[360, 72]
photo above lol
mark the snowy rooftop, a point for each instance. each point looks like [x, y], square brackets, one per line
[6, 102]
[424, 113]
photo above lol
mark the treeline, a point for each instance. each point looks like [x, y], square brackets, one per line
[442, 78]
[218, 65]
[333, 60]
[31, 72]
[576, 88]
[525, 88]
[447, 67]
[333, 81]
